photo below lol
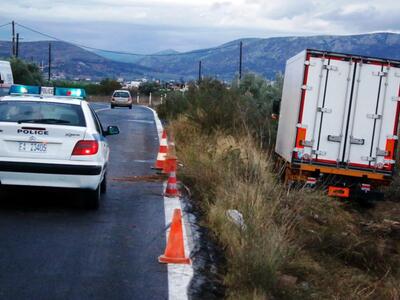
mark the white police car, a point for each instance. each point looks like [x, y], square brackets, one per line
[53, 141]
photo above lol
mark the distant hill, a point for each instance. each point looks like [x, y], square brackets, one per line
[73, 61]
[263, 56]
[268, 56]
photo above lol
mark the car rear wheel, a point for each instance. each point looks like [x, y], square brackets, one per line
[130, 106]
[112, 106]
[93, 198]
[103, 185]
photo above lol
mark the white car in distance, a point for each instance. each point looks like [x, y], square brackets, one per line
[53, 141]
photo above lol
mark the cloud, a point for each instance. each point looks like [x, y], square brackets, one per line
[148, 25]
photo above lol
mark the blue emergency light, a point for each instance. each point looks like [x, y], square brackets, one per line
[70, 92]
[17, 89]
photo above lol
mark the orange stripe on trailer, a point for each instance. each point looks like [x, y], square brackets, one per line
[301, 136]
[345, 172]
[334, 191]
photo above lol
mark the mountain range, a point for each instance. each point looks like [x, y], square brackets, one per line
[262, 56]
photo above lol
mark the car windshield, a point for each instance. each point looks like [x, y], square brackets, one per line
[121, 95]
[41, 112]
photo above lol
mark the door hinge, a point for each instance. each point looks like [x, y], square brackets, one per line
[330, 68]
[306, 87]
[356, 141]
[324, 110]
[308, 63]
[368, 158]
[298, 125]
[307, 143]
[380, 152]
[374, 116]
[335, 138]
[318, 152]
[383, 73]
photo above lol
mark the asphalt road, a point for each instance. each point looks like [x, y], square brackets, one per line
[52, 248]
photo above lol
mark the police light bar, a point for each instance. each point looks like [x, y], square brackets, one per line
[70, 92]
[17, 89]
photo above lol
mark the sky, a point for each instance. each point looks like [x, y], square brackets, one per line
[149, 26]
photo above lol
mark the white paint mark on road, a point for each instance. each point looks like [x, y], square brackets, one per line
[158, 122]
[179, 276]
[101, 109]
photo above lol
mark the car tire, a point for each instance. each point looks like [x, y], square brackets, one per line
[103, 184]
[112, 106]
[130, 106]
[93, 198]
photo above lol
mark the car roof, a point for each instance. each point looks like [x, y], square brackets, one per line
[67, 100]
[126, 91]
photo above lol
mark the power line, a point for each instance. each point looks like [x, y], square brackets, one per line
[123, 52]
[5, 24]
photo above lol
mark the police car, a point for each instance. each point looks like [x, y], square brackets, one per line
[51, 137]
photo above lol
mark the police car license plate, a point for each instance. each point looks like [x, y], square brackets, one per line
[32, 147]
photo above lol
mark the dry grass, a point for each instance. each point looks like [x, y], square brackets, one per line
[332, 250]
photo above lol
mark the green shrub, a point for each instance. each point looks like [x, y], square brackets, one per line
[26, 73]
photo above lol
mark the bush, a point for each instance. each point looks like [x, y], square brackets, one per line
[246, 107]
[26, 73]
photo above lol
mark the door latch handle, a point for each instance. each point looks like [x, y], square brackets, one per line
[356, 141]
[335, 138]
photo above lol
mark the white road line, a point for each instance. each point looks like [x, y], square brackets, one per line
[101, 109]
[179, 276]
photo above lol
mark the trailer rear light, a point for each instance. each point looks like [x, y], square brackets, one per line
[301, 136]
[86, 148]
[341, 192]
[390, 145]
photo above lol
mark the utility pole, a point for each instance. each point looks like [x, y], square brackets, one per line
[240, 60]
[49, 62]
[13, 38]
[17, 48]
[199, 71]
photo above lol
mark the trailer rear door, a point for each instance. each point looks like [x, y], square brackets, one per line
[326, 104]
[349, 112]
[373, 119]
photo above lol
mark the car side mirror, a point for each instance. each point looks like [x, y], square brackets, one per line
[112, 130]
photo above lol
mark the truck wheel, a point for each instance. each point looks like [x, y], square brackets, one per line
[93, 199]
[103, 184]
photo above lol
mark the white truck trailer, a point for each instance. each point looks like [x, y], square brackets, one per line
[339, 121]
[6, 77]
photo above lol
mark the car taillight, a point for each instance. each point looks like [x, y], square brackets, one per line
[86, 148]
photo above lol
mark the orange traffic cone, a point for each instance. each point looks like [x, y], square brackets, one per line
[172, 188]
[175, 251]
[162, 152]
